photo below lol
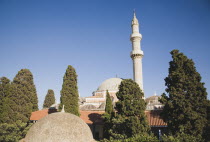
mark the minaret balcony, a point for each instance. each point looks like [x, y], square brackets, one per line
[137, 53]
[136, 36]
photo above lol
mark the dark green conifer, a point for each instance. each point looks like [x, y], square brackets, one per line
[109, 106]
[6, 102]
[49, 99]
[107, 115]
[186, 99]
[69, 93]
[130, 119]
[24, 95]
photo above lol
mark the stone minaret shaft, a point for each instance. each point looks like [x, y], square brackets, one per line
[136, 53]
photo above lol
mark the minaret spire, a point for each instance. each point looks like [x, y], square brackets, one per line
[134, 13]
[136, 53]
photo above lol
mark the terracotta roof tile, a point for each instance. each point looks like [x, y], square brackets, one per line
[154, 119]
[91, 117]
[36, 115]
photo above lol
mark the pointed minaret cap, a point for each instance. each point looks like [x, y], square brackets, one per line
[134, 13]
[135, 20]
[63, 109]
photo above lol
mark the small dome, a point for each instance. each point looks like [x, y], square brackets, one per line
[102, 106]
[153, 98]
[59, 127]
[88, 107]
[111, 84]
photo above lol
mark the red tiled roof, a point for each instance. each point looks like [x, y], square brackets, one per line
[154, 119]
[91, 117]
[36, 115]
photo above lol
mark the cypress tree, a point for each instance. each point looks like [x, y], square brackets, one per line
[49, 99]
[130, 119]
[186, 98]
[24, 95]
[6, 102]
[109, 106]
[107, 115]
[69, 93]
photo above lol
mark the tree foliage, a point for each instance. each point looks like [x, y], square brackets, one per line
[136, 138]
[24, 95]
[6, 102]
[109, 106]
[186, 102]
[49, 99]
[107, 115]
[69, 93]
[207, 128]
[130, 119]
[13, 132]
[182, 137]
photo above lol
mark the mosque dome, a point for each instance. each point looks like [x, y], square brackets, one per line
[60, 126]
[111, 84]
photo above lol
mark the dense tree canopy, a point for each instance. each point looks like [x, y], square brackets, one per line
[13, 132]
[186, 98]
[69, 93]
[130, 119]
[6, 103]
[24, 95]
[49, 99]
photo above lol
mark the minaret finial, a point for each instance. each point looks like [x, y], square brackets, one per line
[63, 109]
[134, 12]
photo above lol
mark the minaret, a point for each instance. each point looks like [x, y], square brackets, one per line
[136, 53]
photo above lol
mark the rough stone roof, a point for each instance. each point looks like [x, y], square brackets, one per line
[59, 127]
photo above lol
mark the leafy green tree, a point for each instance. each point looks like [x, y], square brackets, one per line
[49, 99]
[13, 132]
[24, 95]
[137, 138]
[107, 115]
[69, 93]
[6, 102]
[186, 99]
[181, 137]
[130, 119]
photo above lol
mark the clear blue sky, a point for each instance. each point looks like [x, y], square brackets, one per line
[46, 36]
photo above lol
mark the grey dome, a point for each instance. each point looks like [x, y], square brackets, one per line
[59, 127]
[102, 106]
[88, 107]
[111, 84]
